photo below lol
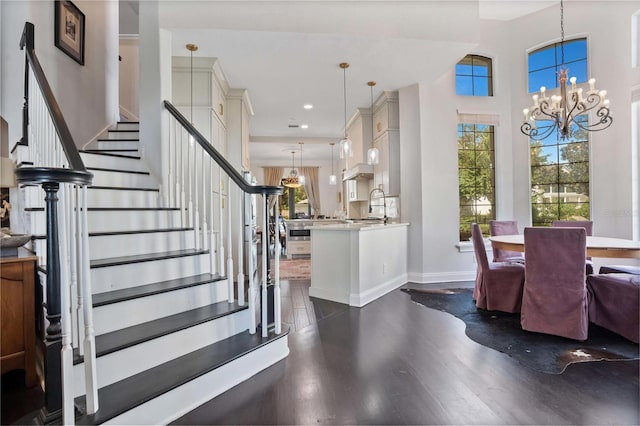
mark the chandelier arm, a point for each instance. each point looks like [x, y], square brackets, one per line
[534, 133]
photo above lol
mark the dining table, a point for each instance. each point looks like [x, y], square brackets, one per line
[596, 246]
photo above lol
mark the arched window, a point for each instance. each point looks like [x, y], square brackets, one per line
[544, 63]
[474, 76]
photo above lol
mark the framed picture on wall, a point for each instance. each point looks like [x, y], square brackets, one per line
[69, 30]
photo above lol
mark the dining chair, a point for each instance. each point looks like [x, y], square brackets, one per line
[498, 284]
[505, 227]
[614, 303]
[587, 225]
[555, 299]
[623, 269]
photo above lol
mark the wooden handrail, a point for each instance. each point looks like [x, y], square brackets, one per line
[219, 158]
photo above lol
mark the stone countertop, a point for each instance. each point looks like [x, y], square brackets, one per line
[355, 226]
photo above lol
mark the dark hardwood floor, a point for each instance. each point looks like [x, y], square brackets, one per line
[397, 362]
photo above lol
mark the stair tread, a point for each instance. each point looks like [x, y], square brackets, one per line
[119, 140]
[109, 154]
[138, 231]
[122, 396]
[123, 188]
[104, 169]
[123, 130]
[122, 260]
[106, 298]
[126, 337]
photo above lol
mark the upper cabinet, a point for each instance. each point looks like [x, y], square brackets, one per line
[238, 115]
[359, 131]
[387, 139]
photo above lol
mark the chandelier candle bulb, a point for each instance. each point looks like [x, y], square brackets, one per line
[542, 92]
[573, 83]
[592, 84]
[526, 114]
[535, 100]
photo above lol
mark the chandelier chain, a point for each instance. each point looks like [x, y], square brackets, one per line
[562, 31]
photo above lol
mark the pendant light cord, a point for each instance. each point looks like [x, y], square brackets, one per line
[191, 83]
[344, 91]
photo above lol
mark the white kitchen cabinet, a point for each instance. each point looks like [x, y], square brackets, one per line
[386, 113]
[387, 171]
[238, 115]
[358, 189]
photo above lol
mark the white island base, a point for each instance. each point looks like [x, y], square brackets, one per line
[357, 263]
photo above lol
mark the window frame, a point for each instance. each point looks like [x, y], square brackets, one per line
[489, 75]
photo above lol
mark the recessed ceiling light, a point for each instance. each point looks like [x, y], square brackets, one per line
[304, 126]
[308, 106]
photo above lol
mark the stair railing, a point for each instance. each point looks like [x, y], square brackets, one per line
[193, 158]
[53, 162]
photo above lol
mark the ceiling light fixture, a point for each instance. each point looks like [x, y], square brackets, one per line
[304, 126]
[373, 154]
[562, 110]
[308, 106]
[333, 180]
[191, 48]
[291, 181]
[346, 149]
[301, 176]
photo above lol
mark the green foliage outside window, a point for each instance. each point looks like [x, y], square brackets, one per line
[299, 194]
[476, 177]
[560, 178]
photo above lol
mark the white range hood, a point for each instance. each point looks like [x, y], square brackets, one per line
[359, 171]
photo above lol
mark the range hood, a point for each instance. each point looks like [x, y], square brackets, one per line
[359, 171]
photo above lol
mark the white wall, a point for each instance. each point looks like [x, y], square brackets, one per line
[129, 76]
[87, 95]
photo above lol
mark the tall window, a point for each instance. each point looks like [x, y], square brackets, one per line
[560, 177]
[559, 167]
[474, 76]
[476, 177]
[545, 63]
[296, 197]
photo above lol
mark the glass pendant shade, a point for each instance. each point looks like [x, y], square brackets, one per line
[373, 156]
[346, 148]
[292, 180]
[301, 178]
[333, 180]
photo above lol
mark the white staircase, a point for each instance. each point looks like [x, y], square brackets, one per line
[167, 336]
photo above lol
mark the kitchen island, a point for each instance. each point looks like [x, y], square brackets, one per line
[356, 263]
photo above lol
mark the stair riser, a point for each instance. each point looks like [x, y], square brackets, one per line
[135, 274]
[123, 180]
[115, 316]
[172, 405]
[98, 197]
[128, 126]
[113, 221]
[123, 135]
[115, 144]
[122, 364]
[108, 162]
[105, 246]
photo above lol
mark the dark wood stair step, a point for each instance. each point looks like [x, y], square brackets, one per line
[133, 391]
[127, 337]
[109, 297]
[109, 153]
[119, 140]
[149, 257]
[102, 169]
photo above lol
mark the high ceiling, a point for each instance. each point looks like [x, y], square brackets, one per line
[286, 53]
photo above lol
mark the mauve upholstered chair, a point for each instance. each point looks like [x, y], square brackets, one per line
[498, 284]
[586, 224]
[505, 227]
[555, 299]
[623, 269]
[615, 302]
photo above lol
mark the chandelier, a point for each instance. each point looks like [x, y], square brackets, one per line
[562, 110]
[346, 149]
[292, 181]
[373, 154]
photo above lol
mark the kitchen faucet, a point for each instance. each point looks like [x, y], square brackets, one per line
[384, 202]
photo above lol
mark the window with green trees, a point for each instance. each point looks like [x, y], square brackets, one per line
[560, 177]
[476, 177]
[296, 197]
[474, 76]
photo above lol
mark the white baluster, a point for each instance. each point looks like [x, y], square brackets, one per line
[211, 237]
[276, 291]
[203, 174]
[196, 209]
[229, 248]
[90, 373]
[243, 235]
[265, 258]
[77, 242]
[220, 224]
[189, 168]
[68, 414]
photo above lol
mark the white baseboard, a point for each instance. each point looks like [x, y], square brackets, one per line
[441, 277]
[359, 300]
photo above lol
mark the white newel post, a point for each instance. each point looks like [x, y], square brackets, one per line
[276, 291]
[265, 260]
[243, 233]
[229, 245]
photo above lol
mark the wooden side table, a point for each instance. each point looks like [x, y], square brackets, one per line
[17, 317]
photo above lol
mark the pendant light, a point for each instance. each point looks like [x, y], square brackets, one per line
[333, 180]
[373, 154]
[291, 181]
[346, 149]
[191, 48]
[301, 178]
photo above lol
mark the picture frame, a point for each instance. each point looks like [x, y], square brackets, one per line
[69, 30]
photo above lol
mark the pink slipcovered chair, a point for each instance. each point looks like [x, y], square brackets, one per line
[587, 225]
[555, 299]
[498, 284]
[623, 269]
[614, 304]
[505, 227]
